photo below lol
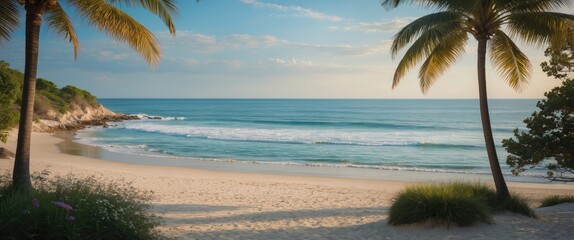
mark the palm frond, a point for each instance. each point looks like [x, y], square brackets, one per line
[444, 55]
[390, 3]
[510, 62]
[420, 25]
[532, 5]
[9, 18]
[120, 26]
[420, 49]
[538, 28]
[450, 5]
[164, 9]
[60, 23]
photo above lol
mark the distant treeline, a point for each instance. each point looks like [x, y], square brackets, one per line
[49, 100]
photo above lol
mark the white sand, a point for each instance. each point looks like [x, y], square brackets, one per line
[203, 204]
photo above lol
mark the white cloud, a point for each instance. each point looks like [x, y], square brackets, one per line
[353, 50]
[295, 10]
[200, 43]
[237, 41]
[393, 25]
[292, 62]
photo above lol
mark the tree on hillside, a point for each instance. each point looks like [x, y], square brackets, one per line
[440, 39]
[9, 81]
[102, 14]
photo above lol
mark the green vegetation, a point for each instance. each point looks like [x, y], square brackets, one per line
[76, 208]
[49, 98]
[561, 62]
[459, 203]
[10, 87]
[548, 142]
[555, 200]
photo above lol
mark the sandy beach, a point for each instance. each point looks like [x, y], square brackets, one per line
[207, 204]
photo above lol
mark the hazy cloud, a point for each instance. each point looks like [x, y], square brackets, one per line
[393, 25]
[381, 47]
[295, 10]
[291, 62]
[201, 43]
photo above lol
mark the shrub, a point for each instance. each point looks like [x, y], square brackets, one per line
[555, 200]
[516, 204]
[457, 203]
[76, 208]
[441, 204]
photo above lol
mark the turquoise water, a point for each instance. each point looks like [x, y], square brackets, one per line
[415, 135]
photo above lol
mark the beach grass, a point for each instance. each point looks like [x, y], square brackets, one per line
[555, 200]
[458, 203]
[68, 207]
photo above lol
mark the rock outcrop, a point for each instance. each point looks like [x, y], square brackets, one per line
[79, 117]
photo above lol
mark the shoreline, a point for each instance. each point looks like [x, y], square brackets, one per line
[213, 204]
[71, 147]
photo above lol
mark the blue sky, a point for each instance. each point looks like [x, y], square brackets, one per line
[261, 49]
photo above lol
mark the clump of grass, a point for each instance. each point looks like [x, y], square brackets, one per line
[555, 200]
[516, 204]
[77, 208]
[459, 203]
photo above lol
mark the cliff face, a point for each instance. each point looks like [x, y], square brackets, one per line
[78, 116]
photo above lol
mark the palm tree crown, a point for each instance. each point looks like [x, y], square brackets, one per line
[101, 14]
[104, 15]
[440, 38]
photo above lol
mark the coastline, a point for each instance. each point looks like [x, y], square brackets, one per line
[71, 147]
[201, 203]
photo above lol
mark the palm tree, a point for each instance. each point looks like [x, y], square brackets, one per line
[103, 15]
[440, 39]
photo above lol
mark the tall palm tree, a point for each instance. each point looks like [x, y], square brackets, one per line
[440, 39]
[103, 15]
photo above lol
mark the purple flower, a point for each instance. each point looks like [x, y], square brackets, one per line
[35, 203]
[71, 218]
[64, 206]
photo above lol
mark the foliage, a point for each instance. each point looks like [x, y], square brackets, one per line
[66, 207]
[555, 200]
[549, 140]
[439, 39]
[60, 99]
[459, 203]
[515, 204]
[49, 97]
[10, 85]
[561, 62]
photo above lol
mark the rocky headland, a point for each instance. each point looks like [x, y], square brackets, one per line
[79, 117]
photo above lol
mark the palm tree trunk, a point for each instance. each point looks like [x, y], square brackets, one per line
[499, 182]
[21, 174]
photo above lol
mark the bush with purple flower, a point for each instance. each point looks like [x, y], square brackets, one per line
[72, 208]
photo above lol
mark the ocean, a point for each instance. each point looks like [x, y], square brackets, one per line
[425, 135]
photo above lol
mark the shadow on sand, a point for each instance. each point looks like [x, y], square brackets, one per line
[300, 224]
